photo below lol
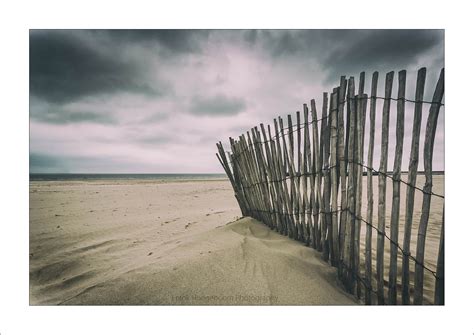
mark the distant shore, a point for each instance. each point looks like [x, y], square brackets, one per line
[126, 176]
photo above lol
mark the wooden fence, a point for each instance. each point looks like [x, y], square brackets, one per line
[317, 186]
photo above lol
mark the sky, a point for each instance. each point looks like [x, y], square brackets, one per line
[157, 101]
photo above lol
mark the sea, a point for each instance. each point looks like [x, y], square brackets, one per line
[125, 176]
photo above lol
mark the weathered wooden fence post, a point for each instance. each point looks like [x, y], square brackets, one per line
[397, 169]
[412, 172]
[428, 167]
[370, 194]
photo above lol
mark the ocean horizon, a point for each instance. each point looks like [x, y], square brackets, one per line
[124, 176]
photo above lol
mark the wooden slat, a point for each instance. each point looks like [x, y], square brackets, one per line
[292, 171]
[397, 168]
[267, 173]
[316, 178]
[342, 161]
[334, 244]
[326, 217]
[312, 194]
[261, 179]
[271, 171]
[282, 175]
[252, 188]
[428, 167]
[239, 163]
[361, 115]
[270, 174]
[250, 153]
[291, 168]
[322, 135]
[298, 210]
[382, 188]
[370, 194]
[239, 190]
[278, 202]
[306, 218]
[359, 153]
[439, 285]
[349, 239]
[412, 173]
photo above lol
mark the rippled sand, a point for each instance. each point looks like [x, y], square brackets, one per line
[178, 243]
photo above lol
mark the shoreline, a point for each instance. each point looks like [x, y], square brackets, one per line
[123, 181]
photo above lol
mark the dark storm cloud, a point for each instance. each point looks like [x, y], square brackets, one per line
[376, 49]
[175, 41]
[218, 105]
[303, 43]
[64, 67]
[350, 51]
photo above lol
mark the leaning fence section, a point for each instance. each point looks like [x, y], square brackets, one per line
[316, 181]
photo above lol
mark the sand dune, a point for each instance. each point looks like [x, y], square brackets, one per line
[164, 243]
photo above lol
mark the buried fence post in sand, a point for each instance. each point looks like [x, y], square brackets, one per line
[250, 152]
[333, 170]
[349, 239]
[322, 135]
[316, 179]
[237, 192]
[327, 182]
[279, 160]
[350, 210]
[253, 190]
[260, 178]
[361, 106]
[306, 164]
[428, 167]
[278, 202]
[290, 165]
[382, 177]
[270, 172]
[292, 170]
[298, 179]
[342, 161]
[263, 177]
[370, 194]
[397, 166]
[412, 172]
[439, 285]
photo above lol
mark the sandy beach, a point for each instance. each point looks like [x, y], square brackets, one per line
[142, 242]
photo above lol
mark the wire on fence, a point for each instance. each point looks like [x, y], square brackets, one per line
[300, 126]
[325, 169]
[358, 218]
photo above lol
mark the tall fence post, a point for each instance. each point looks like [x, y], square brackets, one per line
[397, 167]
[370, 194]
[410, 197]
[428, 167]
[333, 171]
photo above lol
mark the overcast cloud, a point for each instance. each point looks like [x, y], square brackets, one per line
[157, 101]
